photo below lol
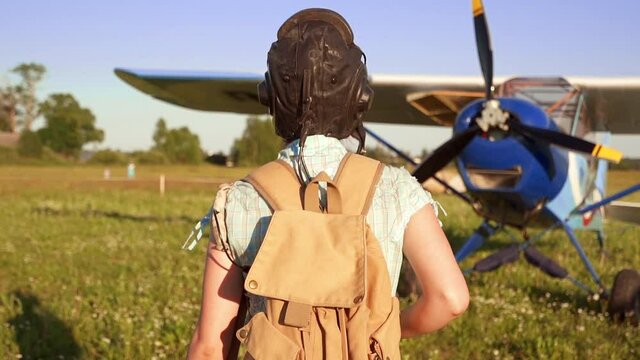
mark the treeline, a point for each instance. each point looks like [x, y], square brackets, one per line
[259, 144]
[626, 164]
[68, 126]
[170, 146]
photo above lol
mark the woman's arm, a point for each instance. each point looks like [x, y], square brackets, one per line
[444, 290]
[221, 294]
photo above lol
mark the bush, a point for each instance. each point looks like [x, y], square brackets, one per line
[108, 157]
[258, 144]
[68, 126]
[51, 157]
[29, 145]
[151, 157]
[9, 156]
[178, 145]
[626, 164]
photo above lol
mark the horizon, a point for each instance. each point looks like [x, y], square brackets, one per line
[81, 43]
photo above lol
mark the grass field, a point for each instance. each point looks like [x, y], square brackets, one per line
[93, 269]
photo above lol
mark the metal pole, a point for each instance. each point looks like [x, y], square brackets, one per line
[609, 199]
[475, 241]
[581, 253]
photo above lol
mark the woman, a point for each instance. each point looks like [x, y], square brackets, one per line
[317, 90]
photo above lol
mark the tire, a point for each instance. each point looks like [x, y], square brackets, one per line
[624, 301]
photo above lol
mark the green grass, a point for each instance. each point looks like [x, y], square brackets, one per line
[93, 269]
[619, 180]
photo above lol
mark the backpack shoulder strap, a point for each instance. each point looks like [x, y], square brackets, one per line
[278, 185]
[356, 179]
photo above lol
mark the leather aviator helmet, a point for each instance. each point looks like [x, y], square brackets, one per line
[316, 81]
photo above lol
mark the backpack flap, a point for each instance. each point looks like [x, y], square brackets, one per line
[311, 258]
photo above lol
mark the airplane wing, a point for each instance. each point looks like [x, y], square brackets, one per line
[624, 211]
[613, 101]
[209, 91]
[398, 99]
[394, 102]
[421, 100]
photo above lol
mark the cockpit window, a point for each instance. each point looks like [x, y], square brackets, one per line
[559, 99]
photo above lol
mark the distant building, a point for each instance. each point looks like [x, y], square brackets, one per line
[9, 139]
[86, 155]
[218, 159]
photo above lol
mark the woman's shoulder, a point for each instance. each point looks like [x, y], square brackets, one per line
[398, 183]
[241, 193]
[398, 178]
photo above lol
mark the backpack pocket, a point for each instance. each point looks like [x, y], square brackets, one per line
[312, 258]
[387, 336]
[357, 331]
[264, 341]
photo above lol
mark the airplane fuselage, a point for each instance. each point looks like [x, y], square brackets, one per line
[511, 177]
[518, 181]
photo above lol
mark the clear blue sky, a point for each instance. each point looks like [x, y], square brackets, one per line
[80, 42]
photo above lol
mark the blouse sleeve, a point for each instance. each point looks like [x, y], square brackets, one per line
[218, 233]
[413, 196]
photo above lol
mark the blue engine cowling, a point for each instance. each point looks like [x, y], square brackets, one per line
[510, 176]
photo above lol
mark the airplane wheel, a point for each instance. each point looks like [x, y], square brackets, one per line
[625, 297]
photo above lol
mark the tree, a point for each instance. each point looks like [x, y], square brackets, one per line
[109, 157]
[8, 109]
[68, 125]
[31, 74]
[29, 145]
[258, 144]
[178, 145]
[160, 133]
[150, 157]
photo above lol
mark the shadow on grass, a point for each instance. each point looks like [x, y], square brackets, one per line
[40, 334]
[111, 214]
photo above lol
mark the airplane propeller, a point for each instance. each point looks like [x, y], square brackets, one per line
[493, 117]
[567, 141]
[445, 153]
[483, 43]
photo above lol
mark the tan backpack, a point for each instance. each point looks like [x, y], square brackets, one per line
[322, 271]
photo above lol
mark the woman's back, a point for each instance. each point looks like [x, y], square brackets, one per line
[397, 197]
[317, 89]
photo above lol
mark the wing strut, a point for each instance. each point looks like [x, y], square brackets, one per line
[406, 157]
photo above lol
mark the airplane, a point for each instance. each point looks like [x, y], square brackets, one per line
[532, 152]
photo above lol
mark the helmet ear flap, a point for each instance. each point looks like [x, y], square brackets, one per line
[265, 92]
[365, 99]
[363, 95]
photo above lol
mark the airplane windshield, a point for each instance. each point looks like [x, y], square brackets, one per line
[556, 96]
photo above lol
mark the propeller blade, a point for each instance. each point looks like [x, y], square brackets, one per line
[570, 142]
[445, 153]
[483, 43]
